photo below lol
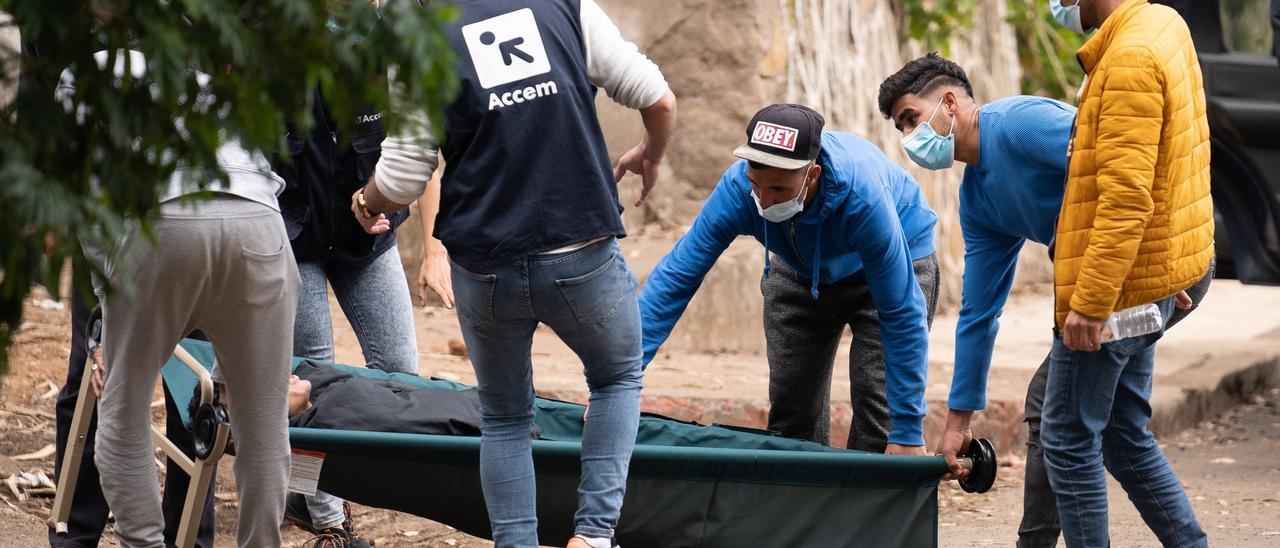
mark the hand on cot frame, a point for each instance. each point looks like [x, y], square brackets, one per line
[98, 374]
[956, 437]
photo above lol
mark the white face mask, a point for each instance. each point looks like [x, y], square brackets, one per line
[782, 211]
[1068, 16]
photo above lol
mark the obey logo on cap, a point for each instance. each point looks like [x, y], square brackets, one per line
[774, 135]
[784, 135]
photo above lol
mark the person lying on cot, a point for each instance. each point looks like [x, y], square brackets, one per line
[321, 396]
[327, 397]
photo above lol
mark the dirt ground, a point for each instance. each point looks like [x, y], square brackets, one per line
[27, 396]
[1228, 465]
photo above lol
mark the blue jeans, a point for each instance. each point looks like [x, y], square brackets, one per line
[375, 299]
[1095, 415]
[588, 297]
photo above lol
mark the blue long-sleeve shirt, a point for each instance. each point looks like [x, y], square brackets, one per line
[1012, 195]
[868, 217]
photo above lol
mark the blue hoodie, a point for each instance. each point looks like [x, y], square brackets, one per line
[869, 219]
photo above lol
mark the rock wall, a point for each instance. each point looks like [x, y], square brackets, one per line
[726, 59]
[838, 53]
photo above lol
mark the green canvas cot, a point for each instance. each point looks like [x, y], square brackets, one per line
[689, 484]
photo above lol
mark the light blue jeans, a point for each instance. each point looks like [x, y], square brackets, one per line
[375, 299]
[588, 297]
[1095, 415]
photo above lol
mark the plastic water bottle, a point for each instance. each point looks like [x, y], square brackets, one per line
[1132, 322]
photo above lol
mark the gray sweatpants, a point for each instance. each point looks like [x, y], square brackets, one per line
[802, 335]
[224, 267]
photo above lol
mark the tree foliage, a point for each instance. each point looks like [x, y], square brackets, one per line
[1046, 51]
[82, 172]
[932, 22]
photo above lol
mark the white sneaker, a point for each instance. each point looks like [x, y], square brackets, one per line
[596, 542]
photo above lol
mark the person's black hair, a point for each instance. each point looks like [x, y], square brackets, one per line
[920, 77]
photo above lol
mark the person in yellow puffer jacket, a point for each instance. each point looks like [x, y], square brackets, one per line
[1136, 227]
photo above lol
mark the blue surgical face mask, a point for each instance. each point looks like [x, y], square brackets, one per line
[928, 149]
[1068, 16]
[782, 211]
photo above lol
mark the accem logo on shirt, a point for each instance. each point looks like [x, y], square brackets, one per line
[775, 136]
[506, 49]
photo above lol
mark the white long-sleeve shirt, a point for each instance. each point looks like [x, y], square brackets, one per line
[627, 76]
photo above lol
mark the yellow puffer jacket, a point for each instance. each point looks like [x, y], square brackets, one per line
[1136, 224]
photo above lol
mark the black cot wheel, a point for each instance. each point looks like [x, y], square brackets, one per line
[204, 429]
[983, 474]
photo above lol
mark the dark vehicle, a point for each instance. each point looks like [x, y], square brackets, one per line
[1235, 40]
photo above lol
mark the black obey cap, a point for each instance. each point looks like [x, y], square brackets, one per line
[785, 136]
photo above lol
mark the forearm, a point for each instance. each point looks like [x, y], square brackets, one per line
[657, 319]
[990, 264]
[428, 207]
[677, 276]
[906, 371]
[975, 342]
[667, 292]
[659, 125]
[959, 419]
[904, 328]
[408, 160]
[904, 332]
[399, 179]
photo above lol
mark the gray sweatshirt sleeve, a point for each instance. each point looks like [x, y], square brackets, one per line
[616, 65]
[409, 157]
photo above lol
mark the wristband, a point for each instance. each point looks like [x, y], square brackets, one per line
[364, 208]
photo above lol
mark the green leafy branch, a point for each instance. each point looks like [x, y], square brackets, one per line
[84, 169]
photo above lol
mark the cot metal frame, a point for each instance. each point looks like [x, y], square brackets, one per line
[200, 470]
